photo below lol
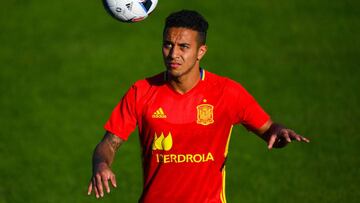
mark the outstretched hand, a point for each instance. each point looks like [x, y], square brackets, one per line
[100, 180]
[278, 136]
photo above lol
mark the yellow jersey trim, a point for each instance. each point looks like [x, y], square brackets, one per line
[202, 73]
[223, 172]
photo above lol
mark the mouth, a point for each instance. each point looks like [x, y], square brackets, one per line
[173, 65]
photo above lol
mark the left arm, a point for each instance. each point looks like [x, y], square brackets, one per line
[278, 136]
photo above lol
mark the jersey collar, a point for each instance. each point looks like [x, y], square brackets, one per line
[202, 75]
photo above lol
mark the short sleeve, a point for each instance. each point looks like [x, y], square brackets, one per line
[254, 117]
[123, 119]
[245, 108]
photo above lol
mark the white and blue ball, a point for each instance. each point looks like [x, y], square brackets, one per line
[130, 10]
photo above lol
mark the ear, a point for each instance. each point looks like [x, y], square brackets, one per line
[201, 52]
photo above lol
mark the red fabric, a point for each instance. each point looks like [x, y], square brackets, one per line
[184, 137]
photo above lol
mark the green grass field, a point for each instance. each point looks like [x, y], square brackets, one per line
[65, 64]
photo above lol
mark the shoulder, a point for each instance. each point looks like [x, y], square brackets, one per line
[228, 85]
[154, 80]
[232, 90]
[143, 86]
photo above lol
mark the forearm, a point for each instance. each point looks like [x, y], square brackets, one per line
[103, 157]
[103, 154]
[105, 151]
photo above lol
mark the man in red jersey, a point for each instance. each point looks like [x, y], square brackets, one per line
[184, 117]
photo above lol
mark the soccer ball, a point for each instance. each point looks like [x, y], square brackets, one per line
[129, 10]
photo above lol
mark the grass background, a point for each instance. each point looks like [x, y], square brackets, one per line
[65, 64]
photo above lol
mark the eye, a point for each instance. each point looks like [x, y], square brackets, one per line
[184, 46]
[167, 45]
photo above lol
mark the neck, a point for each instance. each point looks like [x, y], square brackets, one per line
[185, 83]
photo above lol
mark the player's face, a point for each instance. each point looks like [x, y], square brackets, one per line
[182, 51]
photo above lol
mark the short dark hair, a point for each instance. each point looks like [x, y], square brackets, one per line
[188, 19]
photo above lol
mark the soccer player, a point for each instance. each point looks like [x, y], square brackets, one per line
[184, 117]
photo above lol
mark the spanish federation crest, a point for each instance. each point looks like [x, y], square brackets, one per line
[205, 114]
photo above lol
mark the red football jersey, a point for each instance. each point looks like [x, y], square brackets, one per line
[184, 137]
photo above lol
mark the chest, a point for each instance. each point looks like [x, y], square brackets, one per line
[203, 108]
[193, 121]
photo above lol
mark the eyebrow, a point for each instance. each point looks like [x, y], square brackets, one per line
[184, 44]
[180, 44]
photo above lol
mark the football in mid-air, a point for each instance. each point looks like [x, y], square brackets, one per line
[129, 10]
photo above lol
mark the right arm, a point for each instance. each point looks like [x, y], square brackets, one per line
[103, 157]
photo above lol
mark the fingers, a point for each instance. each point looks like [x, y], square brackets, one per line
[106, 184]
[96, 190]
[305, 139]
[90, 188]
[285, 134]
[96, 184]
[272, 140]
[99, 185]
[113, 181]
[294, 136]
[283, 137]
[297, 137]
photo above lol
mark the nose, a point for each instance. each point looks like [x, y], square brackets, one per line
[174, 52]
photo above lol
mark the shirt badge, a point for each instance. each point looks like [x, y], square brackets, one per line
[205, 114]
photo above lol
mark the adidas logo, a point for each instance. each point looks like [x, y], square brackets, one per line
[129, 5]
[159, 113]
